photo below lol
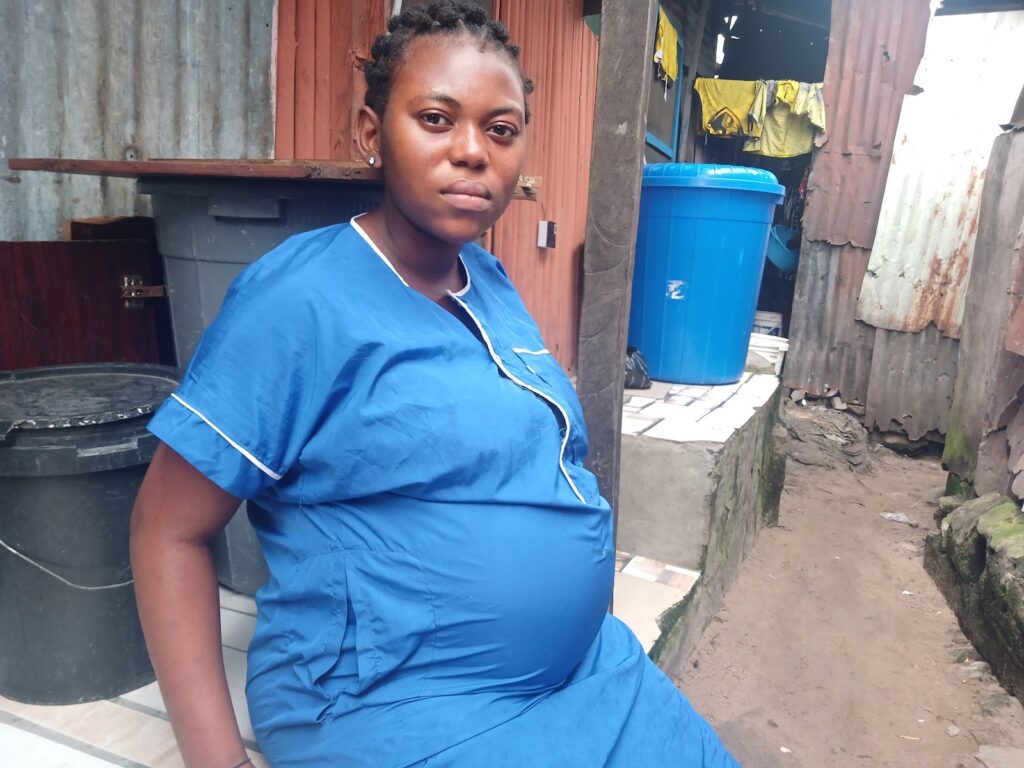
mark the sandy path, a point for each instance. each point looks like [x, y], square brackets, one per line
[821, 650]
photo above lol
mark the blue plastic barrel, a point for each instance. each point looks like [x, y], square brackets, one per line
[699, 258]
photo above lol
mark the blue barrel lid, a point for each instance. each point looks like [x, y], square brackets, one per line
[736, 177]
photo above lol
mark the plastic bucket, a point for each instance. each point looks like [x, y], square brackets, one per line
[699, 259]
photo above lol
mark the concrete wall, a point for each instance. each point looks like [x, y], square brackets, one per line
[977, 559]
[702, 504]
[118, 79]
[665, 497]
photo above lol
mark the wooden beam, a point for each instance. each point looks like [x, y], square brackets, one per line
[326, 170]
[623, 86]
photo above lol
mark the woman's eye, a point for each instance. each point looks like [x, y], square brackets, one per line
[504, 130]
[434, 118]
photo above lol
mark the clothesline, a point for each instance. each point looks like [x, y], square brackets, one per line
[777, 118]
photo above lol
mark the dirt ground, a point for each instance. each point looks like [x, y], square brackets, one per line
[834, 647]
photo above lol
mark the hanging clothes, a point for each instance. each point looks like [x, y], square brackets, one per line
[792, 120]
[732, 107]
[666, 48]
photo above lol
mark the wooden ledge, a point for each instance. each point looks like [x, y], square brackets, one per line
[328, 170]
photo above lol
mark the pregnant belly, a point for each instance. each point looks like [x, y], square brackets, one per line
[520, 597]
[431, 599]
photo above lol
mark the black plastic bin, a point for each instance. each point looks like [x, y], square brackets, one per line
[73, 452]
[208, 230]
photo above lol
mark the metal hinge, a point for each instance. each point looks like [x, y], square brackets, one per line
[133, 291]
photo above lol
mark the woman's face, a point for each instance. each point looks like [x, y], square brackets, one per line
[453, 140]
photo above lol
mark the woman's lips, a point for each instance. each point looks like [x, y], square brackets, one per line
[467, 195]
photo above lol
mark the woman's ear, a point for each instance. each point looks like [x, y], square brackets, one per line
[368, 135]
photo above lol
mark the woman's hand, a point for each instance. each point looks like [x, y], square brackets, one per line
[177, 514]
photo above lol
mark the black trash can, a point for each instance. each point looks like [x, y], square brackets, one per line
[73, 452]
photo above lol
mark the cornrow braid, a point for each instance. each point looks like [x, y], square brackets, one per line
[441, 17]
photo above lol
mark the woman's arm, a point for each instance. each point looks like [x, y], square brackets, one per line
[177, 514]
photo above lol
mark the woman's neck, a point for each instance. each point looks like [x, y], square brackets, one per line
[429, 265]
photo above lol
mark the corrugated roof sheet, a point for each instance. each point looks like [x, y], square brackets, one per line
[874, 50]
[921, 257]
[115, 78]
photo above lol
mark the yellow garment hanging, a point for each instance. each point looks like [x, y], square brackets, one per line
[791, 122]
[732, 107]
[666, 46]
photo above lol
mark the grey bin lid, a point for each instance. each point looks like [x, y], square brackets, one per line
[708, 176]
[78, 408]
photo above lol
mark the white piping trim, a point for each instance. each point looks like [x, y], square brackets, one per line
[524, 385]
[256, 462]
[373, 245]
[469, 278]
[524, 351]
[362, 233]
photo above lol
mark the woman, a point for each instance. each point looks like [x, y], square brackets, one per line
[440, 559]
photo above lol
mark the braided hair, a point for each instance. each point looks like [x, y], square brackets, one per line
[441, 17]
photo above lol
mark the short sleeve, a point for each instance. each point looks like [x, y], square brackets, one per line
[249, 398]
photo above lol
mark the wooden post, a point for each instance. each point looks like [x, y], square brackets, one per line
[623, 85]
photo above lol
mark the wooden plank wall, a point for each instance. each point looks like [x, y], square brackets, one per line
[320, 47]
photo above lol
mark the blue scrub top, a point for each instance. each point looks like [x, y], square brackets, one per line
[441, 561]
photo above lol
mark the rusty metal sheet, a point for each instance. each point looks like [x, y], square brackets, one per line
[875, 47]
[829, 349]
[922, 252]
[991, 376]
[1015, 331]
[117, 79]
[911, 383]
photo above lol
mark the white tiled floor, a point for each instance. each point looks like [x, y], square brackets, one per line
[25, 748]
[688, 413]
[131, 730]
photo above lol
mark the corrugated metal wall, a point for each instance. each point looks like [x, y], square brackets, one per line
[891, 215]
[560, 54]
[921, 257]
[828, 348]
[986, 396]
[874, 50]
[321, 45]
[114, 79]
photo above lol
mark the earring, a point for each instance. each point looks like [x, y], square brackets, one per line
[371, 160]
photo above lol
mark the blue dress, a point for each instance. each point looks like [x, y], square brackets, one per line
[441, 562]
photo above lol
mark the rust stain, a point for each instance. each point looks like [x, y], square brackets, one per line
[875, 48]
[1015, 332]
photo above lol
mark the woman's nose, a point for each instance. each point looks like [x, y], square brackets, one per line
[469, 147]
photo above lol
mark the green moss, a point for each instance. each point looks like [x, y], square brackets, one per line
[1003, 529]
[957, 450]
[773, 467]
[672, 622]
[957, 486]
